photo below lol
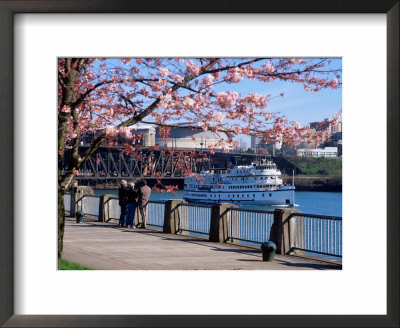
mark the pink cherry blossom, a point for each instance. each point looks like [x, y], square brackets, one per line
[235, 75]
[193, 68]
[295, 61]
[125, 132]
[126, 61]
[267, 116]
[163, 72]
[227, 99]
[66, 109]
[178, 78]
[220, 117]
[208, 80]
[188, 102]
[269, 68]
[110, 130]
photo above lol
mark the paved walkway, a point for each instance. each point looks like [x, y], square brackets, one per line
[104, 246]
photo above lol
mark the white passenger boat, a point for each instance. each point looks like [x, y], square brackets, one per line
[259, 183]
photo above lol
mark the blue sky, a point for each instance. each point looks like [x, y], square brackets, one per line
[297, 104]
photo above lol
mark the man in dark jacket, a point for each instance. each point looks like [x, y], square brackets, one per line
[123, 201]
[131, 207]
[143, 199]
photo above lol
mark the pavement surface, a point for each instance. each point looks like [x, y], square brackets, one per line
[105, 246]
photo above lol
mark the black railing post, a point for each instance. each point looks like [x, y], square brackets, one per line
[276, 234]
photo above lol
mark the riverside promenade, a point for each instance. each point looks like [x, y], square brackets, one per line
[105, 246]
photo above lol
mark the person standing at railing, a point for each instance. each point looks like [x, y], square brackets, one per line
[143, 199]
[123, 201]
[131, 206]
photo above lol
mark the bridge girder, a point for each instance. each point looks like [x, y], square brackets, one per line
[112, 163]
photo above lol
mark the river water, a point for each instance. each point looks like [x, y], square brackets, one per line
[309, 202]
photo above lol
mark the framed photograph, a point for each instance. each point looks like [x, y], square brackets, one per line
[36, 36]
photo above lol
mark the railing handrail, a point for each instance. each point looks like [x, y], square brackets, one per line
[195, 205]
[89, 195]
[315, 216]
[249, 210]
[150, 201]
[156, 201]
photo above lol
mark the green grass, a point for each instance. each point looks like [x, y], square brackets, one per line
[322, 166]
[65, 265]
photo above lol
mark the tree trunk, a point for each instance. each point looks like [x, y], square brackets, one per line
[61, 223]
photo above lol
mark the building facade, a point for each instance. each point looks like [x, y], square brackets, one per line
[318, 152]
[187, 136]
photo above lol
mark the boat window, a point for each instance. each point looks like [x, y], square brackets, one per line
[270, 195]
[263, 195]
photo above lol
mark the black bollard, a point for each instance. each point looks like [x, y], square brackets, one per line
[79, 216]
[268, 249]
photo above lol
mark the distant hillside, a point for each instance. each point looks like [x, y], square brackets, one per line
[320, 166]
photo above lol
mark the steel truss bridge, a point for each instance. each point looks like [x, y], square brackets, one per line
[114, 164]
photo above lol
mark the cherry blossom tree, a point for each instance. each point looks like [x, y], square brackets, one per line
[114, 95]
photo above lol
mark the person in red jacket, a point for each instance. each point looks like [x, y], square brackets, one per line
[143, 199]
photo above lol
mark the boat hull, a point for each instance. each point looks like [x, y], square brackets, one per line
[276, 197]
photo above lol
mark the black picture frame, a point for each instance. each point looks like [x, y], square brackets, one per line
[11, 7]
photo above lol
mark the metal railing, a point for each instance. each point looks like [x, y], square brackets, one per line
[194, 218]
[316, 233]
[67, 203]
[313, 234]
[155, 213]
[112, 208]
[90, 204]
[249, 225]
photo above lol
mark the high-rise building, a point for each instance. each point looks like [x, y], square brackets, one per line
[256, 142]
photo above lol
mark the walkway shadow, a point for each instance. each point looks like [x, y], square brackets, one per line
[248, 260]
[316, 266]
[91, 225]
[320, 260]
[251, 252]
